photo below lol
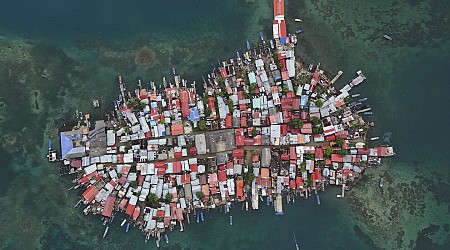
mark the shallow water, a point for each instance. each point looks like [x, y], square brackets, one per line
[72, 52]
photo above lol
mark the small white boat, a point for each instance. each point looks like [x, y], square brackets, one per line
[381, 182]
[374, 138]
[356, 95]
[295, 240]
[123, 222]
[106, 231]
[387, 37]
[298, 20]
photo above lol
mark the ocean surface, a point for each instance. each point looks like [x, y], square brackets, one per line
[57, 56]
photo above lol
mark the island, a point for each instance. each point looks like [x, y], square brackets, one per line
[263, 128]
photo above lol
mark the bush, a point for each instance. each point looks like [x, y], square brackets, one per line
[153, 198]
[342, 152]
[200, 195]
[296, 123]
[208, 112]
[339, 142]
[328, 151]
[202, 124]
[319, 103]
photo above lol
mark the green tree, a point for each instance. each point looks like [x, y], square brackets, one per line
[251, 177]
[310, 182]
[315, 120]
[342, 152]
[153, 198]
[200, 195]
[230, 102]
[319, 103]
[303, 167]
[284, 89]
[328, 150]
[202, 124]
[253, 132]
[296, 123]
[134, 184]
[168, 197]
[339, 142]
[208, 112]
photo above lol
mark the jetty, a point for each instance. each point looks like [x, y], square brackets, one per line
[336, 77]
[261, 127]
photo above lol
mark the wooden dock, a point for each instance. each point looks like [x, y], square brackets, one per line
[278, 205]
[336, 77]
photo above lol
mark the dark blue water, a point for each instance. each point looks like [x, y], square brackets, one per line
[83, 45]
[122, 20]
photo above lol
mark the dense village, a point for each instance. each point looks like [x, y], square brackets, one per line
[262, 129]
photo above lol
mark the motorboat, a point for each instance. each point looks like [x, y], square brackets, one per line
[387, 37]
[106, 231]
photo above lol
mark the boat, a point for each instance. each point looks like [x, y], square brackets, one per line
[271, 44]
[362, 99]
[381, 182]
[166, 237]
[387, 37]
[261, 36]
[374, 138]
[123, 222]
[371, 124]
[198, 218]
[248, 45]
[49, 145]
[238, 55]
[294, 39]
[261, 198]
[128, 228]
[355, 95]
[231, 220]
[368, 113]
[106, 231]
[318, 199]
[120, 79]
[201, 216]
[173, 71]
[296, 245]
[298, 31]
[298, 20]
[310, 67]
[268, 201]
[104, 222]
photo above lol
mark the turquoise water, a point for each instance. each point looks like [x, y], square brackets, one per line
[56, 56]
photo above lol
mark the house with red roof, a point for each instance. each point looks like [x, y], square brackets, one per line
[177, 129]
[90, 193]
[307, 128]
[109, 205]
[318, 153]
[337, 158]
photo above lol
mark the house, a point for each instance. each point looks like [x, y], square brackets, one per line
[177, 129]
[306, 129]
